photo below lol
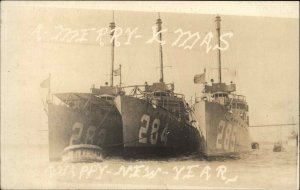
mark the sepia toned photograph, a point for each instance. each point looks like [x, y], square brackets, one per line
[149, 95]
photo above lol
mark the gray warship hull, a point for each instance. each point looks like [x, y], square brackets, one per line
[100, 125]
[225, 132]
[148, 128]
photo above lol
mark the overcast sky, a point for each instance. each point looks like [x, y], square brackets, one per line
[263, 50]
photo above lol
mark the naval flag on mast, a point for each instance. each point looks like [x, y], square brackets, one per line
[117, 72]
[200, 78]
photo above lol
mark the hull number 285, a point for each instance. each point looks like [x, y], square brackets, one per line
[226, 137]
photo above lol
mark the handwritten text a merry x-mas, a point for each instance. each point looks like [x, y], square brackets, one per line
[184, 39]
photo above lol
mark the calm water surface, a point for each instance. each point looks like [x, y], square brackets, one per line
[27, 167]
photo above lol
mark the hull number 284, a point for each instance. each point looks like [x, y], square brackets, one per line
[151, 134]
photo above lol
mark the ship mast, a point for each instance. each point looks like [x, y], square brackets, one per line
[112, 31]
[159, 23]
[218, 28]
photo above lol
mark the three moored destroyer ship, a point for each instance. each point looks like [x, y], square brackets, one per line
[152, 119]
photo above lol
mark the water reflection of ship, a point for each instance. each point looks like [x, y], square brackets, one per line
[83, 121]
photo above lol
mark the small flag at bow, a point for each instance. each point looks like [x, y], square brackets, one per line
[45, 83]
[199, 79]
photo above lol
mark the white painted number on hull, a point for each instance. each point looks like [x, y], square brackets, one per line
[90, 135]
[226, 136]
[232, 139]
[154, 130]
[144, 128]
[77, 127]
[221, 128]
[77, 131]
[163, 136]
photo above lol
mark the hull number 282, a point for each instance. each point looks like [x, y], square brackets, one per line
[88, 136]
